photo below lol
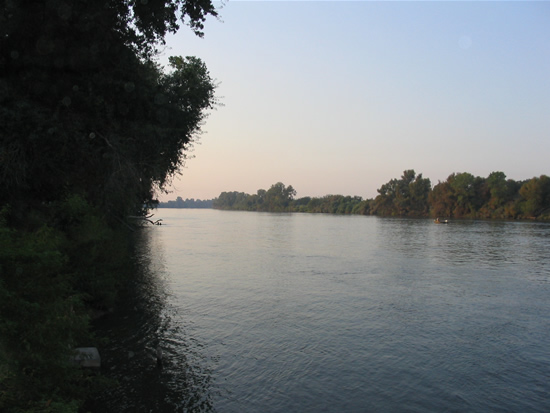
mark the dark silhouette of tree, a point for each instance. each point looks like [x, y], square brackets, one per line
[86, 110]
[91, 129]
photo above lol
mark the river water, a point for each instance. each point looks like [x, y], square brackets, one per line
[260, 312]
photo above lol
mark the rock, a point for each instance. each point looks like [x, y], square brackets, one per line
[87, 357]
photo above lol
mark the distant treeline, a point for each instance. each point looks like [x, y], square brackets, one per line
[462, 195]
[188, 203]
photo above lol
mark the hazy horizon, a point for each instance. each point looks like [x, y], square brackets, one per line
[340, 97]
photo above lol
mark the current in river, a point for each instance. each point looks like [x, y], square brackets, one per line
[263, 312]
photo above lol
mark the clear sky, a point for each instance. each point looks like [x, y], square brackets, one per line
[339, 97]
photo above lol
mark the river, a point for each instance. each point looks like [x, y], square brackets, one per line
[261, 312]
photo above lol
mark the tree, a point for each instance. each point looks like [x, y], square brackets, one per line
[278, 197]
[402, 199]
[300, 205]
[498, 190]
[442, 200]
[85, 108]
[384, 202]
[536, 196]
[260, 198]
[407, 196]
[419, 191]
[463, 186]
[91, 128]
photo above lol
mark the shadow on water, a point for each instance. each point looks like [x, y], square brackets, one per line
[144, 327]
[309, 313]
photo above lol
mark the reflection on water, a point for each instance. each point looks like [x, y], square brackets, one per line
[145, 326]
[260, 312]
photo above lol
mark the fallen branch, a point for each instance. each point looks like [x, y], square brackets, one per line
[147, 218]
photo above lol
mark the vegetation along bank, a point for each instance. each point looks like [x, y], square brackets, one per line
[462, 195]
[92, 128]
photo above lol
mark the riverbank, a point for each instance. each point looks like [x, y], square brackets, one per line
[461, 196]
[57, 277]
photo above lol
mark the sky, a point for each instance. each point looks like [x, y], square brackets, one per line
[337, 97]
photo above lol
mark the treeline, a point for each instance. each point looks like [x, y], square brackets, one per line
[462, 195]
[91, 130]
[187, 203]
[280, 198]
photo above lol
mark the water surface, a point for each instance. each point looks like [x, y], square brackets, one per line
[260, 312]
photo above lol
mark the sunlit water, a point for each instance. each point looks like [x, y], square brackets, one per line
[259, 312]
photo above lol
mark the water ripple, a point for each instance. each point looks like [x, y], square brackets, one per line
[302, 313]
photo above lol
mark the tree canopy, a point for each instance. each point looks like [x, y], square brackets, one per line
[462, 195]
[91, 129]
[278, 198]
[179, 202]
[86, 109]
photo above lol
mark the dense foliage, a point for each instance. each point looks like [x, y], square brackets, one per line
[91, 128]
[82, 109]
[278, 198]
[461, 196]
[187, 203]
[407, 196]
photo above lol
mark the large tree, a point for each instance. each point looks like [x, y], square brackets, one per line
[278, 197]
[536, 196]
[91, 127]
[85, 108]
[407, 196]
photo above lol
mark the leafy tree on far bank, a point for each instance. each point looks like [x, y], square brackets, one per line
[462, 195]
[187, 203]
[333, 204]
[535, 195]
[498, 189]
[462, 185]
[232, 200]
[465, 196]
[278, 198]
[407, 196]
[442, 200]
